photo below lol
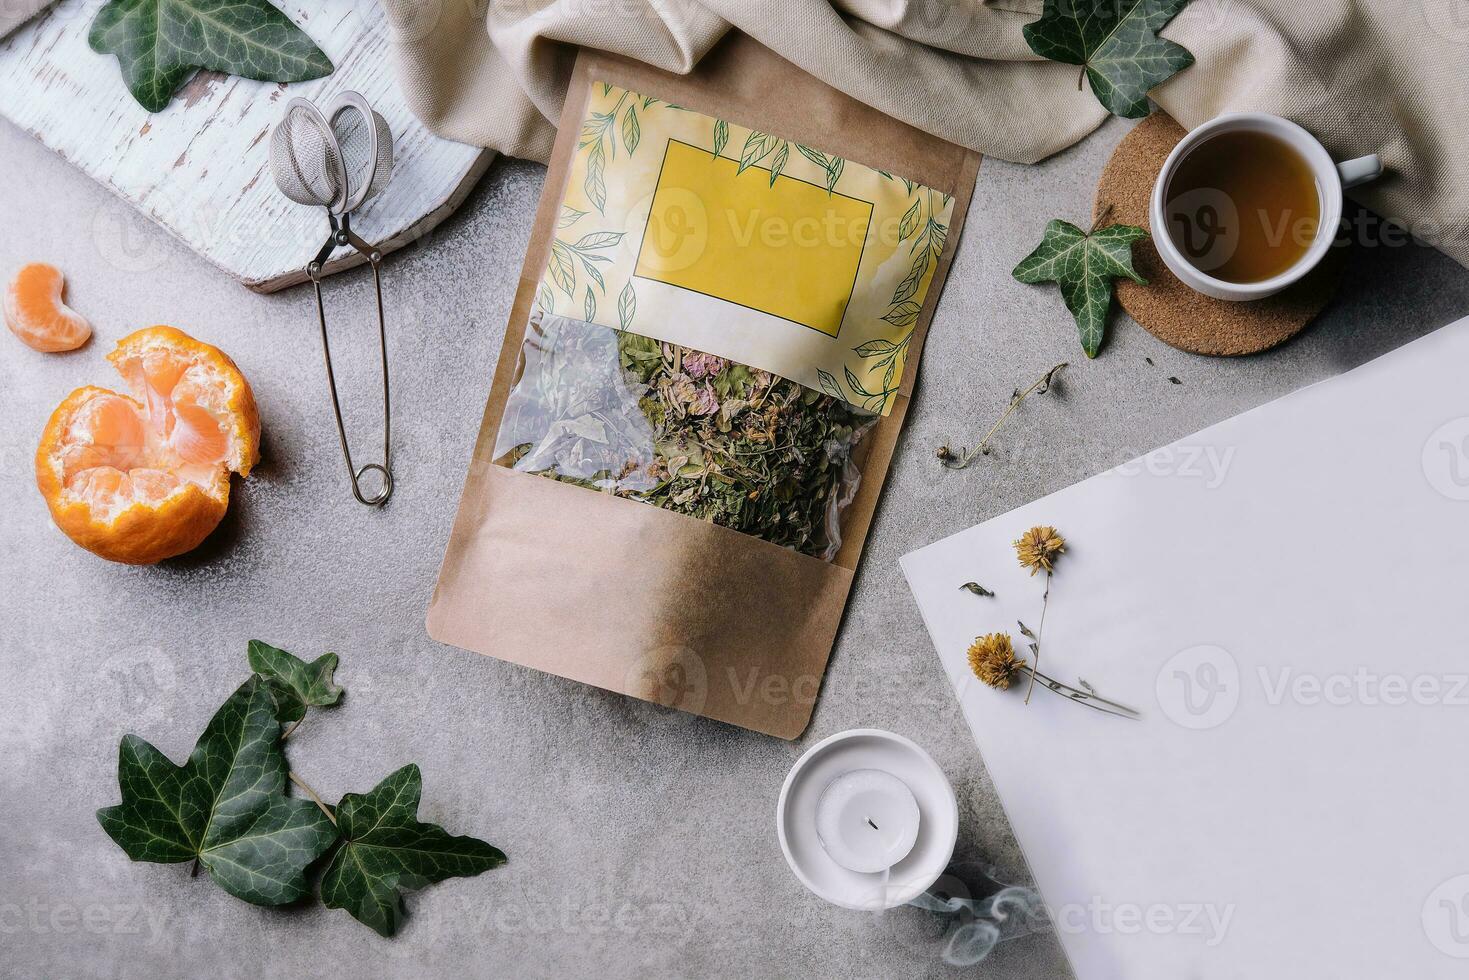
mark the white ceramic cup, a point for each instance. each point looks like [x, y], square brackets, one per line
[1331, 178]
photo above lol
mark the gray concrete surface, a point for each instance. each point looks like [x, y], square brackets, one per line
[641, 843]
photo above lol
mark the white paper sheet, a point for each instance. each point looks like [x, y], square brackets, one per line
[1285, 596]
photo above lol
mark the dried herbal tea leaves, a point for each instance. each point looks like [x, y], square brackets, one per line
[683, 430]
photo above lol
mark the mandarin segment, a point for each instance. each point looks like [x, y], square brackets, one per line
[35, 313]
[166, 367]
[143, 478]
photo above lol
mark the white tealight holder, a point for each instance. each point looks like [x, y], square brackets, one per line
[867, 820]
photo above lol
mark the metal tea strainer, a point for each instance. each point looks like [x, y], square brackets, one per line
[338, 158]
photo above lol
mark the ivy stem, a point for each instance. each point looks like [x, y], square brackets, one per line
[316, 799]
[1041, 628]
[194, 869]
[294, 725]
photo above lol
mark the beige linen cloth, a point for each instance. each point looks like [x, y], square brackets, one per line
[13, 13]
[1385, 76]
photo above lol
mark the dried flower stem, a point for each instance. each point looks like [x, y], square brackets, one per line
[1081, 697]
[1035, 648]
[966, 456]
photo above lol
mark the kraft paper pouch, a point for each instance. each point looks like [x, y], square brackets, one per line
[705, 370]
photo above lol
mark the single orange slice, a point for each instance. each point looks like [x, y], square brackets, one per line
[35, 313]
[141, 479]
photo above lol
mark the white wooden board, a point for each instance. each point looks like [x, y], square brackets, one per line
[200, 167]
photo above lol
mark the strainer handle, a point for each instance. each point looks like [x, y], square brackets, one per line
[342, 235]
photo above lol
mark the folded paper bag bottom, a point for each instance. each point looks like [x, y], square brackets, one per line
[639, 600]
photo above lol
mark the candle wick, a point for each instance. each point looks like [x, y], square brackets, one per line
[871, 824]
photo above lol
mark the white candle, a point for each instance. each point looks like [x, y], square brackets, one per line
[867, 820]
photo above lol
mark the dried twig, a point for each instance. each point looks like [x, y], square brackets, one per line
[961, 459]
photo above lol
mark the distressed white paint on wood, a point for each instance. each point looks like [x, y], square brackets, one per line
[200, 167]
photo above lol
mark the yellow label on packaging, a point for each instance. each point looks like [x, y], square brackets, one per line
[696, 231]
[789, 248]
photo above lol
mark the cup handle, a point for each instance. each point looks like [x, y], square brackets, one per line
[1360, 170]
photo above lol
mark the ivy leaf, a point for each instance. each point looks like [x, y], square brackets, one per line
[160, 43]
[1084, 265]
[295, 684]
[225, 807]
[1116, 43]
[385, 848]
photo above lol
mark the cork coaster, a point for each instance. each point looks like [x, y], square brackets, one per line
[1168, 309]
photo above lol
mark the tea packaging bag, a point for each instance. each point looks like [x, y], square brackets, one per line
[706, 367]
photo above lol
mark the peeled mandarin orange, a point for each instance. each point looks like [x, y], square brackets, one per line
[35, 313]
[143, 478]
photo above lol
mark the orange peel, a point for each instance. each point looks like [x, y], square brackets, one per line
[143, 478]
[35, 313]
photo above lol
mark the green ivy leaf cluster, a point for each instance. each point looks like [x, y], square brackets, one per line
[1117, 45]
[160, 43]
[226, 808]
[1084, 265]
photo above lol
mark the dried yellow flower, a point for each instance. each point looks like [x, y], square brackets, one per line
[1037, 548]
[992, 658]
